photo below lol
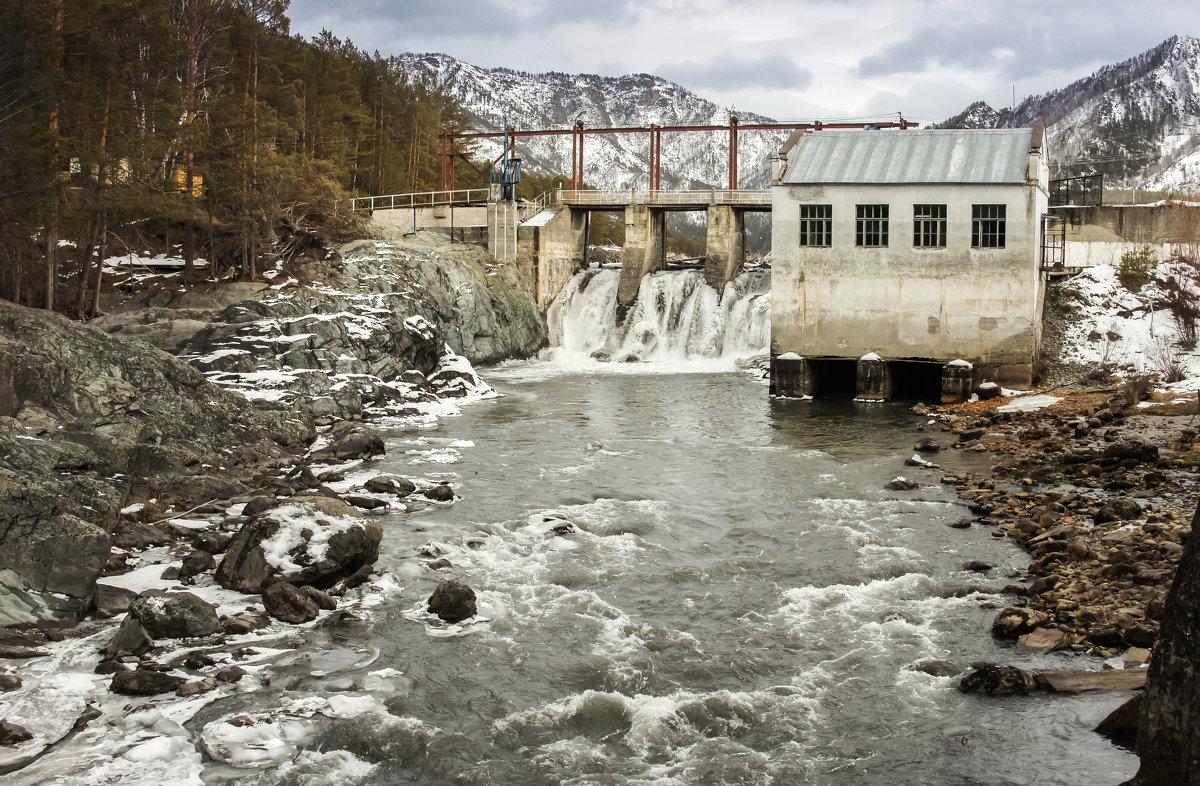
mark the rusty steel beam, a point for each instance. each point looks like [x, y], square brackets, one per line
[447, 151]
[733, 150]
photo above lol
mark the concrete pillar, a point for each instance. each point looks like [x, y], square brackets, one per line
[726, 245]
[643, 251]
[502, 220]
[873, 381]
[791, 376]
[554, 252]
[956, 381]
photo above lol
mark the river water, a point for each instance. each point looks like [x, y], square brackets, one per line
[680, 581]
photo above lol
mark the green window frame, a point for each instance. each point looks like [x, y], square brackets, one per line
[816, 225]
[871, 226]
[987, 226]
[929, 226]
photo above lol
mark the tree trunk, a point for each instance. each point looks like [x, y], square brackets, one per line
[51, 267]
[95, 311]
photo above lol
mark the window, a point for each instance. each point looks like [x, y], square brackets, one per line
[871, 226]
[929, 226]
[987, 226]
[816, 225]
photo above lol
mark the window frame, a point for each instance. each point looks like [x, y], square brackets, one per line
[989, 226]
[816, 227]
[929, 222]
[871, 225]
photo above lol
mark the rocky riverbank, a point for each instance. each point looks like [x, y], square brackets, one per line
[219, 491]
[1102, 495]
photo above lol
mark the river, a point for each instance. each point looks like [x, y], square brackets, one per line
[680, 581]
[737, 601]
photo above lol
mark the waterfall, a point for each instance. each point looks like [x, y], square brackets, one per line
[676, 317]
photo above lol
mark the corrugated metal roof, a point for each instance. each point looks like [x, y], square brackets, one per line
[993, 155]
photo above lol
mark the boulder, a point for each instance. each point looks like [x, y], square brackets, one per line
[196, 563]
[1118, 509]
[440, 493]
[364, 443]
[304, 540]
[286, 602]
[174, 615]
[1045, 639]
[1121, 724]
[994, 680]
[213, 542]
[109, 601]
[1015, 621]
[452, 601]
[9, 682]
[257, 505]
[130, 639]
[1132, 449]
[324, 600]
[13, 734]
[927, 445]
[144, 682]
[390, 484]
[54, 553]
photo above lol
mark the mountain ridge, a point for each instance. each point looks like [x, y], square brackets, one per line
[1131, 121]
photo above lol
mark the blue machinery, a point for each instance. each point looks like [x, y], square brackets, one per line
[507, 173]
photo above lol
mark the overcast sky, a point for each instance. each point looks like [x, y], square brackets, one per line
[787, 59]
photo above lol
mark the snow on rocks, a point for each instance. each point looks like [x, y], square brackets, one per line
[305, 540]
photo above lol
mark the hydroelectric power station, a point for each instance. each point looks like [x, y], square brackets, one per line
[905, 261]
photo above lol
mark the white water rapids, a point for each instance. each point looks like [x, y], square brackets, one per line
[676, 317]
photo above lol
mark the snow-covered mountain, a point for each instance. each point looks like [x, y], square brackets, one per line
[1136, 121]
[618, 161]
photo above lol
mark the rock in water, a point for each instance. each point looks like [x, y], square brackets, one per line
[1121, 724]
[452, 601]
[12, 734]
[996, 680]
[144, 682]
[1168, 736]
[439, 493]
[286, 602]
[130, 639]
[390, 484]
[305, 540]
[174, 615]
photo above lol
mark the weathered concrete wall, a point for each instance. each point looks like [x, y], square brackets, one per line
[725, 245]
[553, 252]
[905, 302]
[643, 250]
[389, 223]
[1086, 254]
[1153, 224]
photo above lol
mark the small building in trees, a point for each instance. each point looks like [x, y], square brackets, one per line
[898, 252]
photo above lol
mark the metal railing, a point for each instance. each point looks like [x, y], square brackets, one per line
[746, 197]
[421, 199]
[527, 209]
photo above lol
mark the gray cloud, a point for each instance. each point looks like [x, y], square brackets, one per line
[1022, 40]
[727, 72]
